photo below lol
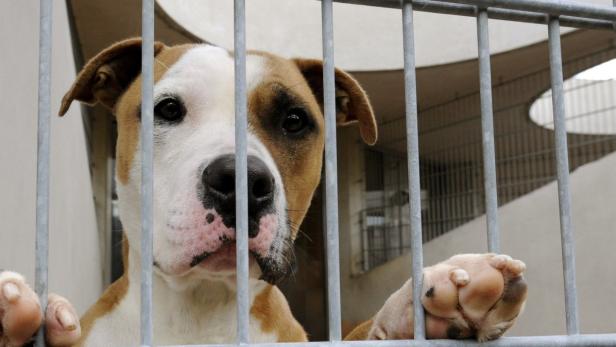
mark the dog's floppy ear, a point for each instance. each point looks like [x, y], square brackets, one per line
[106, 76]
[352, 104]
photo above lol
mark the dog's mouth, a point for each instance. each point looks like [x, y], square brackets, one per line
[224, 259]
[204, 241]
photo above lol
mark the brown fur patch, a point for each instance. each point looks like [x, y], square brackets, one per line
[105, 76]
[299, 162]
[360, 332]
[272, 309]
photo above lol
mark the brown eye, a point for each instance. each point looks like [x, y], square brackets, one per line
[170, 109]
[295, 121]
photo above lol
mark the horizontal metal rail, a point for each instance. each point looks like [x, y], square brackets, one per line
[591, 340]
[550, 7]
[434, 6]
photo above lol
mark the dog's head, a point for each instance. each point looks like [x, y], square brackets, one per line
[194, 178]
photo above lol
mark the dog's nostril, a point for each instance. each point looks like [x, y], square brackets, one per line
[262, 187]
[220, 182]
[219, 176]
[226, 184]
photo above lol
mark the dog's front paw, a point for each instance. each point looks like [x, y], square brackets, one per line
[21, 316]
[468, 295]
[20, 311]
[395, 319]
[481, 292]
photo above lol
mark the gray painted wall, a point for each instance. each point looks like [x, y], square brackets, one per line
[75, 260]
[530, 231]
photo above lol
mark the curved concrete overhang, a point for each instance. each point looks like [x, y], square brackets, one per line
[366, 38]
[448, 98]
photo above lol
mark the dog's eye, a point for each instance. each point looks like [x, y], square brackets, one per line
[170, 109]
[295, 121]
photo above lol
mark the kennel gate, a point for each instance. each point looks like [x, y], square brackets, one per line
[554, 13]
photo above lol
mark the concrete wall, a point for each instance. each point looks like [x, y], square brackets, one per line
[530, 231]
[75, 261]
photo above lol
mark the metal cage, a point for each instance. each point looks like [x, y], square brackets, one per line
[551, 12]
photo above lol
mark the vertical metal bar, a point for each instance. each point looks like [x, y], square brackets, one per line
[147, 167]
[400, 226]
[562, 168]
[412, 148]
[241, 172]
[42, 164]
[331, 173]
[487, 131]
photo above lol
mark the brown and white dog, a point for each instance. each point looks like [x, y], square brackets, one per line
[472, 295]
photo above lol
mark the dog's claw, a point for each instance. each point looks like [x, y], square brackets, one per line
[11, 292]
[67, 319]
[62, 322]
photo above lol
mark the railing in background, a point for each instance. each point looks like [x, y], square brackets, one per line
[561, 12]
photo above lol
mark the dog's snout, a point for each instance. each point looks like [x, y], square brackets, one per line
[219, 183]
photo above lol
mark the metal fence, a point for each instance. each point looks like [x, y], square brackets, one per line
[451, 153]
[552, 13]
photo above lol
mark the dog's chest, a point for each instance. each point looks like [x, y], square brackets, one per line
[216, 324]
[174, 324]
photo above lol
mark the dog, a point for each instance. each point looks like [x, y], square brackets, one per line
[466, 296]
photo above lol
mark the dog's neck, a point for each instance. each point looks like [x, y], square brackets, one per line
[203, 312]
[198, 296]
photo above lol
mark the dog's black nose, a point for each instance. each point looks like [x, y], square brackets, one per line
[219, 182]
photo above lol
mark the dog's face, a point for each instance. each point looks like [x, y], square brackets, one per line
[194, 151]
